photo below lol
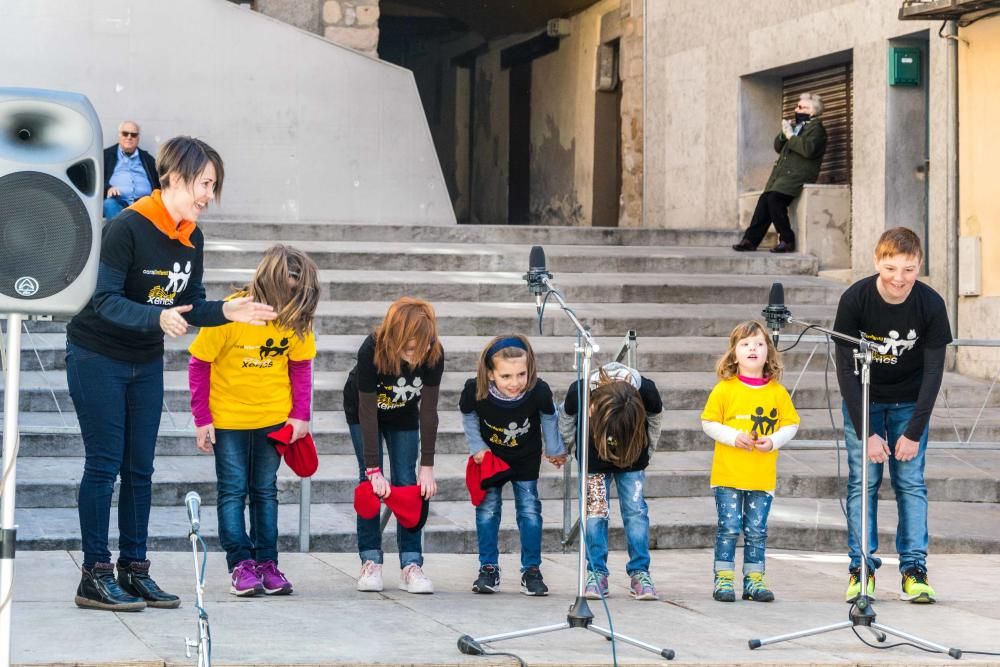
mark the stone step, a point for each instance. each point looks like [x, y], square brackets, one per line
[610, 320]
[406, 255]
[50, 434]
[952, 474]
[339, 352]
[292, 232]
[675, 523]
[679, 391]
[507, 286]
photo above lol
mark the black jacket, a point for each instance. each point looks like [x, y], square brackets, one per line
[111, 159]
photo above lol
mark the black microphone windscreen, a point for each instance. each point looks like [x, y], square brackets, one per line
[536, 260]
[777, 296]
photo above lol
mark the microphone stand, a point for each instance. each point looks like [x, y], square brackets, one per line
[861, 613]
[579, 614]
[204, 643]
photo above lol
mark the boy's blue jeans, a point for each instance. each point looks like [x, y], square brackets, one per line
[635, 515]
[888, 420]
[246, 466]
[529, 524]
[403, 448]
[746, 512]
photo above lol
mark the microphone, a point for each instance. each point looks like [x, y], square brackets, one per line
[193, 503]
[776, 314]
[536, 275]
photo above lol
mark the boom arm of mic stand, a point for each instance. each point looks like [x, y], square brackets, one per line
[572, 316]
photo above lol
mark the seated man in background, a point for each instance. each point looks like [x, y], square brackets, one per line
[129, 171]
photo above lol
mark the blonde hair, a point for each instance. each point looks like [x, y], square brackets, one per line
[295, 305]
[727, 367]
[617, 421]
[507, 352]
[407, 319]
[898, 241]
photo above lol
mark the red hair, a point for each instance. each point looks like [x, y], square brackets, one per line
[407, 319]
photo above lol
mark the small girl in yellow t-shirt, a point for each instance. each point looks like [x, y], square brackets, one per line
[247, 382]
[750, 416]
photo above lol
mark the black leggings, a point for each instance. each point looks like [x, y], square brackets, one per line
[772, 207]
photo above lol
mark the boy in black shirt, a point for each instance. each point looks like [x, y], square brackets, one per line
[908, 325]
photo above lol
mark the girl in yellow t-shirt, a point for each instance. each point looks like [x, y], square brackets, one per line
[750, 416]
[246, 382]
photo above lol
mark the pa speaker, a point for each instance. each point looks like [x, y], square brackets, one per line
[51, 201]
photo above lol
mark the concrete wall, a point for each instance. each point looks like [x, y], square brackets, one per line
[308, 130]
[979, 199]
[697, 53]
[562, 127]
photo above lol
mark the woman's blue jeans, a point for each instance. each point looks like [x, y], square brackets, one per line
[888, 420]
[529, 524]
[246, 465]
[118, 405]
[635, 516]
[746, 512]
[403, 448]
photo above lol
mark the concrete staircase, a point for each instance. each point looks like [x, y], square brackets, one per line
[682, 291]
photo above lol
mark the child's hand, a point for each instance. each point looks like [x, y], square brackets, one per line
[763, 444]
[557, 461]
[478, 456]
[380, 485]
[745, 441]
[425, 478]
[300, 428]
[205, 437]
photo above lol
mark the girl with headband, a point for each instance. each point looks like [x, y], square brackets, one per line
[509, 413]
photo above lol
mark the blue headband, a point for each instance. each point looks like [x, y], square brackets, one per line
[503, 343]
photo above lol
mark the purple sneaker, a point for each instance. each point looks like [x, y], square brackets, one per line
[273, 579]
[246, 581]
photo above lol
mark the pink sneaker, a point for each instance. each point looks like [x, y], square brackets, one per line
[273, 579]
[246, 581]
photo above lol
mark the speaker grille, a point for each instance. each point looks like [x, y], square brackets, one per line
[45, 235]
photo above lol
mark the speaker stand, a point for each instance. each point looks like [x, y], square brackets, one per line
[8, 484]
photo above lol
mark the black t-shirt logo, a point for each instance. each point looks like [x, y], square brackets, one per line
[269, 349]
[764, 425]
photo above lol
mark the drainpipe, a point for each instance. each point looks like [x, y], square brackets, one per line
[951, 169]
[645, 130]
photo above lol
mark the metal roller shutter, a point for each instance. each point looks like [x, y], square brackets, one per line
[835, 86]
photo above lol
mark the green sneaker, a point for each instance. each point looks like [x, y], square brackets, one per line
[755, 589]
[724, 591]
[854, 585]
[915, 586]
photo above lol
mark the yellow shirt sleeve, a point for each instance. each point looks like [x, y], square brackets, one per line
[715, 405]
[210, 342]
[785, 407]
[302, 350]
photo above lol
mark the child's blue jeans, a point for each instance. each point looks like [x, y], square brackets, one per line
[635, 515]
[529, 524]
[744, 511]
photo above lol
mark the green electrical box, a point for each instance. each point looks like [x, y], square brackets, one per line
[904, 66]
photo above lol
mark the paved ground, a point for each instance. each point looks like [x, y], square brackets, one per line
[327, 622]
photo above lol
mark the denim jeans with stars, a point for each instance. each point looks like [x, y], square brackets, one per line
[741, 510]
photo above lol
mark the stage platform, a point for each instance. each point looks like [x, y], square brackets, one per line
[327, 622]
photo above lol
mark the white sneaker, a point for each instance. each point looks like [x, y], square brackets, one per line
[371, 577]
[413, 580]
